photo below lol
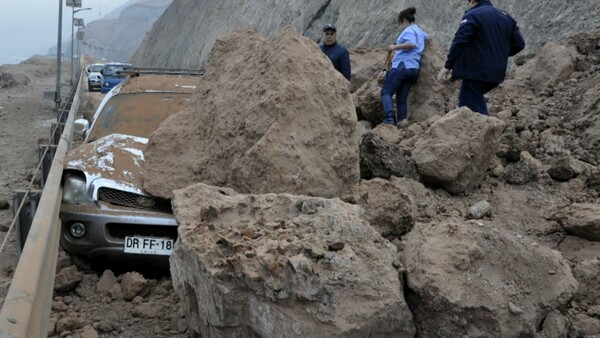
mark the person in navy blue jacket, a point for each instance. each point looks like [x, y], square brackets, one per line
[479, 52]
[337, 53]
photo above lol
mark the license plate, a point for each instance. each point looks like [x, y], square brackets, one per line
[149, 246]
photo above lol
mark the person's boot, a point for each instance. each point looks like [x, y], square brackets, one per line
[389, 119]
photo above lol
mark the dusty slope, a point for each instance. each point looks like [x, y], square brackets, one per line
[191, 27]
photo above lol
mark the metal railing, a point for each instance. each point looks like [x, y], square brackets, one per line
[26, 309]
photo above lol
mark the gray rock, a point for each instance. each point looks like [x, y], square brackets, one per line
[582, 220]
[525, 171]
[456, 151]
[382, 156]
[562, 169]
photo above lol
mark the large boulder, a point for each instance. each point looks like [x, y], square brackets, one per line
[456, 151]
[476, 280]
[582, 220]
[270, 115]
[382, 155]
[278, 265]
[426, 99]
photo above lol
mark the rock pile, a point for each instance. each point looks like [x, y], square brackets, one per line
[270, 115]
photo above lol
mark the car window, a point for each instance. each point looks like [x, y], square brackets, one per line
[136, 114]
[97, 69]
[113, 70]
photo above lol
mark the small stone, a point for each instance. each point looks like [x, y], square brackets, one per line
[106, 282]
[134, 284]
[67, 279]
[336, 246]
[59, 306]
[104, 326]
[515, 310]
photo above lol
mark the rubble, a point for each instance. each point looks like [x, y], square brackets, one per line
[268, 265]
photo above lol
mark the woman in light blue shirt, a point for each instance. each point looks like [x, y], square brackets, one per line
[405, 66]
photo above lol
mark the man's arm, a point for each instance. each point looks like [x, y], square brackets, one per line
[345, 67]
[517, 43]
[465, 32]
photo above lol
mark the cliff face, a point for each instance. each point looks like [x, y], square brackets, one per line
[119, 34]
[186, 32]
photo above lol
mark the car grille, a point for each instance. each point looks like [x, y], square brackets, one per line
[128, 199]
[120, 231]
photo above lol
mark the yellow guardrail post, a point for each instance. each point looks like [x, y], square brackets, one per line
[26, 309]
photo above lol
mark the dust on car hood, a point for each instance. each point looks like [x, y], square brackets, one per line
[115, 157]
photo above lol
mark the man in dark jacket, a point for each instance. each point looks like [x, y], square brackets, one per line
[479, 52]
[337, 53]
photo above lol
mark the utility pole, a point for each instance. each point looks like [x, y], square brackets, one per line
[72, 39]
[57, 98]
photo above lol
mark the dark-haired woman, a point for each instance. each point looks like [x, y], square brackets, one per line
[405, 66]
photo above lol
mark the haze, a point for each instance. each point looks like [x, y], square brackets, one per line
[30, 27]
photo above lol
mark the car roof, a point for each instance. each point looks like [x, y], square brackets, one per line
[159, 83]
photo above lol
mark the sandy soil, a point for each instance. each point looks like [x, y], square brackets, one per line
[24, 119]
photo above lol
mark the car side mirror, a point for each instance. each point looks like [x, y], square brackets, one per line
[81, 126]
[102, 72]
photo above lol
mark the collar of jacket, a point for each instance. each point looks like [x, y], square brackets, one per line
[330, 46]
[481, 4]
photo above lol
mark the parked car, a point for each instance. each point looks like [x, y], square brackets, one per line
[95, 77]
[105, 212]
[112, 75]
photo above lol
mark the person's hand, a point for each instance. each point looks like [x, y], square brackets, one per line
[391, 48]
[443, 75]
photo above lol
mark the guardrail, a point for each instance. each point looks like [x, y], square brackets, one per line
[26, 309]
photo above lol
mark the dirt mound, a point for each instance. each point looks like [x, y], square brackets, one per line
[474, 279]
[282, 265]
[270, 115]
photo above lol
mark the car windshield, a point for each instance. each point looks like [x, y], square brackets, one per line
[97, 69]
[136, 114]
[113, 70]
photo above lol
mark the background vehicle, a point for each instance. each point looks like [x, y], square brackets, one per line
[105, 212]
[112, 75]
[95, 77]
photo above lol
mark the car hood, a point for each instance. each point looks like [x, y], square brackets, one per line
[116, 160]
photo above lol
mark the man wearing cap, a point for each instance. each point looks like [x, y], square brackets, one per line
[337, 53]
[479, 52]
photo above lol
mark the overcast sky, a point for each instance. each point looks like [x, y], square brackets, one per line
[29, 27]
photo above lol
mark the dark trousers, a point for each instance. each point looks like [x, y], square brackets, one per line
[398, 81]
[471, 95]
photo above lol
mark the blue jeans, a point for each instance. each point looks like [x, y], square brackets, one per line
[471, 95]
[398, 81]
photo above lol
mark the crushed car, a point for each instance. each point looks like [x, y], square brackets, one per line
[105, 212]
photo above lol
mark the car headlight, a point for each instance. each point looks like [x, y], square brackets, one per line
[74, 190]
[106, 84]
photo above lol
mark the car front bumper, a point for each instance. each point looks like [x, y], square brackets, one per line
[107, 226]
